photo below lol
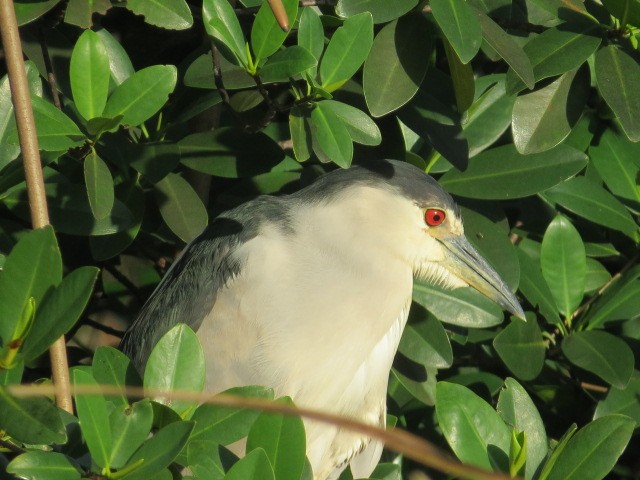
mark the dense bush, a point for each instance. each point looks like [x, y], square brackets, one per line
[152, 117]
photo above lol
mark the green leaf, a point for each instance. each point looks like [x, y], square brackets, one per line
[347, 50]
[56, 131]
[32, 269]
[69, 210]
[176, 363]
[627, 11]
[459, 25]
[589, 200]
[254, 466]
[331, 136]
[593, 451]
[221, 22]
[382, 11]
[534, 287]
[557, 51]
[287, 63]
[361, 128]
[229, 153]
[556, 451]
[619, 303]
[60, 311]
[464, 307]
[507, 48]
[282, 437]
[112, 367]
[518, 410]
[171, 14]
[624, 401]
[300, 133]
[597, 275]
[28, 11]
[207, 459]
[120, 64]
[396, 64]
[615, 159]
[89, 75]
[618, 79]
[502, 173]
[41, 465]
[142, 95]
[562, 258]
[474, 431]
[266, 35]
[521, 347]
[130, 427]
[543, 118]
[601, 353]
[180, 207]
[80, 12]
[461, 77]
[31, 420]
[153, 160]
[99, 184]
[94, 420]
[311, 33]
[225, 425]
[159, 451]
[426, 342]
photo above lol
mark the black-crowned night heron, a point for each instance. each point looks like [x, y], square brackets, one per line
[309, 294]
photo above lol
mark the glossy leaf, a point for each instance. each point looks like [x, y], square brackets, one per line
[474, 431]
[171, 14]
[601, 353]
[311, 33]
[462, 79]
[153, 160]
[266, 35]
[534, 287]
[396, 64]
[562, 258]
[618, 79]
[254, 466]
[361, 128]
[627, 11]
[80, 12]
[300, 133]
[94, 420]
[556, 51]
[89, 75]
[593, 450]
[205, 459]
[615, 159]
[597, 275]
[287, 63]
[40, 465]
[159, 451]
[502, 173]
[112, 367]
[221, 22]
[142, 95]
[99, 182]
[331, 136]
[624, 401]
[282, 437]
[119, 62]
[582, 197]
[60, 311]
[543, 118]
[28, 11]
[426, 343]
[176, 363]
[507, 48]
[32, 269]
[381, 10]
[464, 307]
[229, 153]
[347, 50]
[619, 303]
[460, 26]
[180, 207]
[518, 410]
[521, 347]
[130, 427]
[31, 420]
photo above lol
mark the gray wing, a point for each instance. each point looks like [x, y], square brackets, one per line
[187, 293]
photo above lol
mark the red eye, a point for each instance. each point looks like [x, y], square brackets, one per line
[434, 216]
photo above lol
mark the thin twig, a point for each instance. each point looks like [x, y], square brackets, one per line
[593, 387]
[33, 172]
[11, 446]
[217, 73]
[51, 76]
[124, 280]
[399, 440]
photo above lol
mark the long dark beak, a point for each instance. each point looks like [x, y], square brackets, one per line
[464, 261]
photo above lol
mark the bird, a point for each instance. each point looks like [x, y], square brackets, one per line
[308, 294]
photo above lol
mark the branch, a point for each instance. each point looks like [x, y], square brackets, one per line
[32, 171]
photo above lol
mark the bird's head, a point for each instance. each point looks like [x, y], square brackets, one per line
[411, 215]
